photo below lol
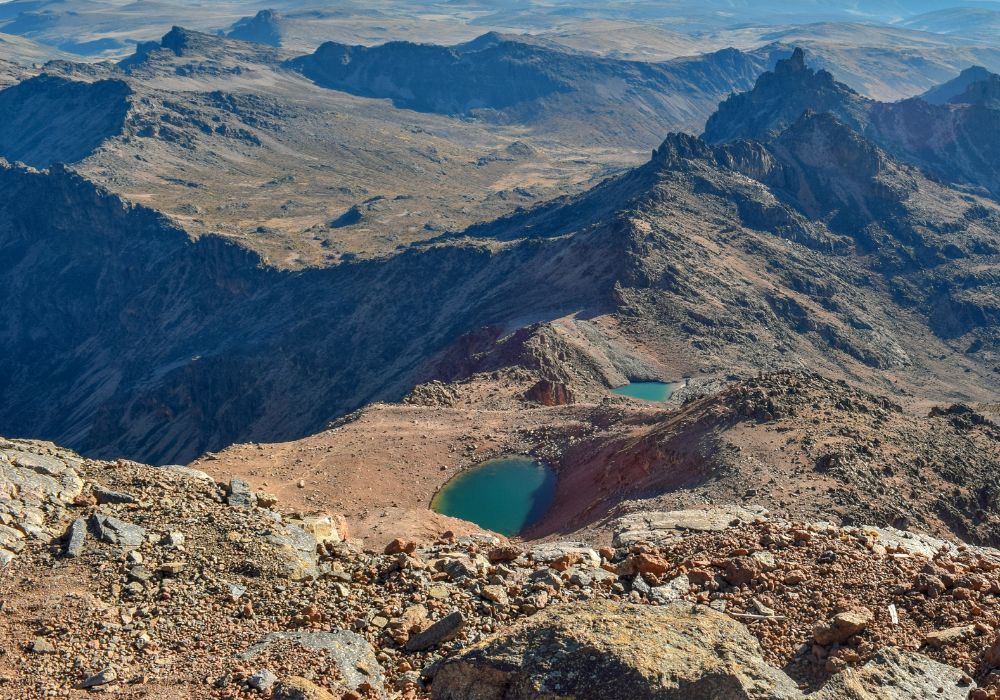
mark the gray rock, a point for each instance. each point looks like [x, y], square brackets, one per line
[296, 552]
[115, 531]
[104, 495]
[604, 650]
[140, 573]
[640, 586]
[351, 654]
[263, 680]
[669, 592]
[548, 552]
[546, 577]
[174, 538]
[240, 494]
[443, 630]
[42, 646]
[108, 675]
[898, 675]
[76, 537]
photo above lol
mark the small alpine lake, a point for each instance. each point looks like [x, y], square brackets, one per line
[504, 495]
[649, 391]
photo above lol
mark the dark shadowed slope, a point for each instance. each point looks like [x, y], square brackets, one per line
[49, 119]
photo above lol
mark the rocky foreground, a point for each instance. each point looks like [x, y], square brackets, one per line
[143, 582]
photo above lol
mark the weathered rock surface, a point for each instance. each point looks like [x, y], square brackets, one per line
[607, 650]
[898, 675]
[37, 483]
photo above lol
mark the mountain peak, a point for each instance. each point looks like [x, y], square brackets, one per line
[680, 147]
[262, 28]
[796, 63]
[779, 98]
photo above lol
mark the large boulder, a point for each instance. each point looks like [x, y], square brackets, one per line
[606, 650]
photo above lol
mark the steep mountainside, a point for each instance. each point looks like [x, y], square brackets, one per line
[166, 348]
[955, 141]
[557, 90]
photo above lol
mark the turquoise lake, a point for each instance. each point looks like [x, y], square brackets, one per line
[504, 495]
[648, 391]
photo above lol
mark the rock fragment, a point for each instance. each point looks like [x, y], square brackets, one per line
[441, 631]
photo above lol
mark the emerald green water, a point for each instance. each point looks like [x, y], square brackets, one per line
[648, 391]
[504, 495]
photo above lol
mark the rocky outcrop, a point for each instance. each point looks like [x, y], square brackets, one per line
[262, 28]
[607, 650]
[37, 483]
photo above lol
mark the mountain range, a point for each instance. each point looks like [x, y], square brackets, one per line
[881, 267]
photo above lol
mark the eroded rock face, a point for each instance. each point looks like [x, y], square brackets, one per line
[602, 649]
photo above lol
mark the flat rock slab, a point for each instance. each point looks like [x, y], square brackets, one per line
[548, 552]
[665, 526]
[351, 653]
[115, 531]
